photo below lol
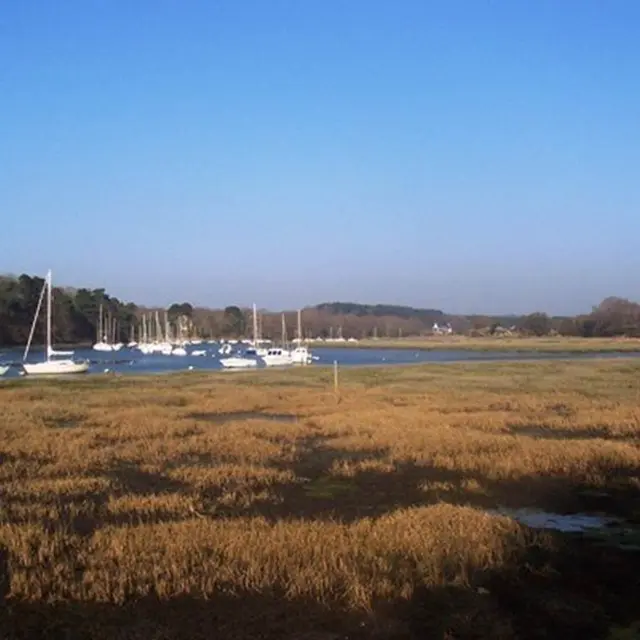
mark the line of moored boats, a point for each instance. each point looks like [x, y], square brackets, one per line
[235, 354]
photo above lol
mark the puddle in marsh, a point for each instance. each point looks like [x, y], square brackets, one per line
[568, 523]
[231, 416]
[602, 529]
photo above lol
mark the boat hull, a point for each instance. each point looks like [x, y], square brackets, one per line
[238, 363]
[301, 355]
[55, 367]
[3, 369]
[102, 346]
[278, 361]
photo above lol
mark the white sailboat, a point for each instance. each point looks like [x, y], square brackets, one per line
[242, 362]
[132, 344]
[255, 349]
[3, 369]
[279, 356]
[301, 354]
[101, 344]
[49, 366]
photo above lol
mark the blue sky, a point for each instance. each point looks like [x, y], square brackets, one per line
[475, 156]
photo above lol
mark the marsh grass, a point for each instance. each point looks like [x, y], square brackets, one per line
[262, 505]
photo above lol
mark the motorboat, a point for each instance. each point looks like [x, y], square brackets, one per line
[301, 355]
[277, 357]
[238, 362]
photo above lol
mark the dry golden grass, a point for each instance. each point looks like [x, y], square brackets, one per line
[260, 505]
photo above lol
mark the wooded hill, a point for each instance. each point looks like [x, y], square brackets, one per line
[76, 313]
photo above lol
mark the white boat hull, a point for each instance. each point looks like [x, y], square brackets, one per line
[301, 355]
[55, 367]
[278, 361]
[3, 369]
[102, 346]
[237, 363]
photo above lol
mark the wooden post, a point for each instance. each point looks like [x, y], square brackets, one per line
[335, 376]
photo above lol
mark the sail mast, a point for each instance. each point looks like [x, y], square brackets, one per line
[48, 285]
[255, 326]
[284, 333]
[33, 324]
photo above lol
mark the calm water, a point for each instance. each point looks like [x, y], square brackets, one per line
[132, 361]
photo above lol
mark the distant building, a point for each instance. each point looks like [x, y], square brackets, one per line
[442, 331]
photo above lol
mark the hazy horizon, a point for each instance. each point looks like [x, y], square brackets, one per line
[164, 303]
[472, 157]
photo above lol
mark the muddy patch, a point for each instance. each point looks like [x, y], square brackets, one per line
[64, 421]
[234, 416]
[328, 487]
[541, 431]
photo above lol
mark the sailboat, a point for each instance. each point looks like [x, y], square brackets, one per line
[132, 344]
[102, 344]
[241, 362]
[49, 366]
[279, 356]
[255, 349]
[3, 369]
[301, 355]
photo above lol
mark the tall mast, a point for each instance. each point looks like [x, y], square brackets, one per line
[48, 285]
[35, 321]
[284, 333]
[100, 329]
[299, 327]
[255, 326]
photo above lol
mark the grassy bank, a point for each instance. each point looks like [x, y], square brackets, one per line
[546, 344]
[260, 505]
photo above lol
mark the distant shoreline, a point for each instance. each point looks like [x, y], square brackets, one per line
[455, 343]
[463, 343]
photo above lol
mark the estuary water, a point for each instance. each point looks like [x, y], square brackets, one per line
[131, 361]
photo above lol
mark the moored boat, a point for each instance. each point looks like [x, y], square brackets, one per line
[49, 365]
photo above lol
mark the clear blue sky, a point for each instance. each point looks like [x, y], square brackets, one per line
[475, 156]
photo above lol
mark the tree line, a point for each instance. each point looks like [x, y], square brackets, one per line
[76, 314]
